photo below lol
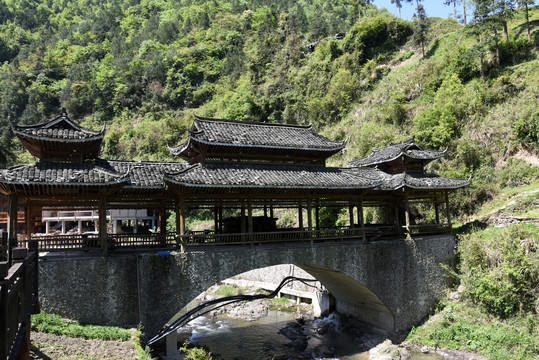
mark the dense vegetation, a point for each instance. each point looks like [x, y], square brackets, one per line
[143, 67]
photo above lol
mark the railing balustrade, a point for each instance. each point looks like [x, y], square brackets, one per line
[209, 237]
[18, 297]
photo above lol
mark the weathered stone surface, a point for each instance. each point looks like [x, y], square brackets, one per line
[94, 290]
[388, 351]
[389, 284]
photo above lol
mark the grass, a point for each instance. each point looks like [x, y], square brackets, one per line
[465, 326]
[514, 193]
[229, 290]
[54, 324]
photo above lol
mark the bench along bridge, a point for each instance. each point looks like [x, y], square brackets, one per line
[373, 232]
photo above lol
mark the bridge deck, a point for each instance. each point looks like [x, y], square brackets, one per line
[210, 238]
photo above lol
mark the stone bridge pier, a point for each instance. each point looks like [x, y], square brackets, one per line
[387, 284]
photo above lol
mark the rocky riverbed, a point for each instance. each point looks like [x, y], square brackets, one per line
[307, 337]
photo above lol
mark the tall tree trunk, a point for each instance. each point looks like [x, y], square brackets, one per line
[505, 31]
[359, 9]
[528, 21]
[482, 62]
[455, 9]
[498, 65]
[400, 16]
[464, 10]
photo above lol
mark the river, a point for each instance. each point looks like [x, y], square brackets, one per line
[280, 336]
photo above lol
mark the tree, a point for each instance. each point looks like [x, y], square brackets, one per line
[454, 2]
[525, 3]
[464, 10]
[421, 26]
[504, 11]
[398, 4]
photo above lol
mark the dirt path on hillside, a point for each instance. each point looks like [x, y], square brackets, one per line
[53, 347]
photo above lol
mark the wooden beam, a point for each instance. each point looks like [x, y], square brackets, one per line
[180, 222]
[220, 219]
[407, 217]
[317, 216]
[300, 215]
[163, 223]
[447, 209]
[242, 219]
[102, 229]
[360, 217]
[28, 221]
[250, 216]
[12, 225]
[215, 220]
[309, 214]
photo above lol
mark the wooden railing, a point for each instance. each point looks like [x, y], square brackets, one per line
[18, 299]
[64, 242]
[209, 237]
[142, 240]
[426, 229]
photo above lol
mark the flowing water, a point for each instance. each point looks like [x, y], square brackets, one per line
[280, 336]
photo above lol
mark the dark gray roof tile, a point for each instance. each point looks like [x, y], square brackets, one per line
[236, 133]
[276, 176]
[393, 151]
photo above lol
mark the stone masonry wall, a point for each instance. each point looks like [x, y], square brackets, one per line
[394, 283]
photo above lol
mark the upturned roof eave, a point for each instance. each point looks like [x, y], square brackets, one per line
[100, 136]
[354, 162]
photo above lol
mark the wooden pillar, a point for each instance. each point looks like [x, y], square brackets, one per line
[250, 216]
[102, 229]
[163, 219]
[216, 219]
[265, 210]
[351, 214]
[242, 219]
[407, 217]
[309, 214]
[317, 216]
[180, 223]
[12, 225]
[300, 215]
[271, 208]
[162, 224]
[397, 221]
[29, 222]
[447, 209]
[310, 218]
[220, 219]
[360, 217]
[437, 212]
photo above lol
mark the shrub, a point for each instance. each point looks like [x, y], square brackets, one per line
[526, 129]
[500, 268]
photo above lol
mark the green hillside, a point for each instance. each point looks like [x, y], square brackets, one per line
[144, 67]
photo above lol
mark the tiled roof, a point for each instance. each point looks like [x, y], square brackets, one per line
[236, 133]
[63, 174]
[61, 128]
[275, 176]
[148, 174]
[421, 181]
[143, 174]
[393, 151]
